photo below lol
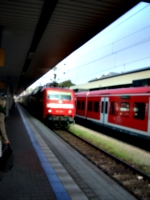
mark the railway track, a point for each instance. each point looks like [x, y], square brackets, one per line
[133, 180]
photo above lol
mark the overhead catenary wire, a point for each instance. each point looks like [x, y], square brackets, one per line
[113, 67]
[113, 52]
[100, 36]
[114, 42]
[108, 55]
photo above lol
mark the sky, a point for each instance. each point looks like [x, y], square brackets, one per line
[121, 47]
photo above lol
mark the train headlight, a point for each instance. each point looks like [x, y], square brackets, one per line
[69, 111]
[49, 111]
[57, 105]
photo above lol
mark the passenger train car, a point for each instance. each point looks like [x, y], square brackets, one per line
[55, 105]
[124, 109]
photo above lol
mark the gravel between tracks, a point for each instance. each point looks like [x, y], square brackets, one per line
[137, 155]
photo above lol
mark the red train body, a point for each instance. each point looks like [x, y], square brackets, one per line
[125, 109]
[55, 105]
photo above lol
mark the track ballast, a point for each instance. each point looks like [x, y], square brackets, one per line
[133, 180]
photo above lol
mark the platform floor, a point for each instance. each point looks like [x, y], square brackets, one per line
[47, 168]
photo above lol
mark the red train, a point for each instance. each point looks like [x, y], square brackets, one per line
[124, 109]
[55, 105]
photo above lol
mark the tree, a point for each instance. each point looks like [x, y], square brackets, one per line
[67, 83]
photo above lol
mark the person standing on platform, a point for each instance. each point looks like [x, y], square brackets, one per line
[3, 134]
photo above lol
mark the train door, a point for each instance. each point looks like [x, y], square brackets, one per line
[104, 110]
[80, 106]
[93, 108]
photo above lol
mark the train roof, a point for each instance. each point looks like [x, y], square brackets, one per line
[131, 90]
[58, 89]
[43, 88]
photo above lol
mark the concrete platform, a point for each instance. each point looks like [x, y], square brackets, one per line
[47, 168]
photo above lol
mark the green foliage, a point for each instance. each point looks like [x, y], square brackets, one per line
[67, 83]
[112, 146]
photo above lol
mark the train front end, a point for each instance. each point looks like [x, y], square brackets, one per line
[59, 108]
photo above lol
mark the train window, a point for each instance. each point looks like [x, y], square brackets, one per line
[124, 109]
[102, 107]
[90, 105]
[53, 96]
[65, 95]
[82, 105]
[106, 105]
[59, 95]
[113, 108]
[78, 105]
[139, 110]
[125, 97]
[96, 106]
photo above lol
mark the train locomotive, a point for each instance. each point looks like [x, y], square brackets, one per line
[55, 106]
[124, 109]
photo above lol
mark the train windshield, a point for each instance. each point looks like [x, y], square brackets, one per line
[58, 95]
